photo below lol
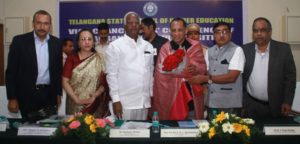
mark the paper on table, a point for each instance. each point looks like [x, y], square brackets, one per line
[197, 122]
[135, 125]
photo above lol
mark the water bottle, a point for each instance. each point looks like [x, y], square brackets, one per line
[155, 123]
[212, 114]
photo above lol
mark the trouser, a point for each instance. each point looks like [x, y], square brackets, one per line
[255, 108]
[41, 98]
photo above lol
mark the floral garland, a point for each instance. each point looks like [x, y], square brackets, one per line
[172, 61]
[84, 126]
[227, 126]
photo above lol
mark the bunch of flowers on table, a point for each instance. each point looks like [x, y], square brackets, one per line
[228, 126]
[85, 127]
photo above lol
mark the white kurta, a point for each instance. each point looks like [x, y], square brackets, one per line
[130, 72]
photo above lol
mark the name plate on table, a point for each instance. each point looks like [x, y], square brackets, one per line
[129, 133]
[3, 127]
[282, 130]
[36, 131]
[183, 133]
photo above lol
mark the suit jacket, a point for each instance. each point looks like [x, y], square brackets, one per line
[281, 74]
[22, 70]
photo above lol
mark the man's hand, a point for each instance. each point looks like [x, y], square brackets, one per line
[286, 109]
[13, 105]
[198, 79]
[191, 69]
[118, 110]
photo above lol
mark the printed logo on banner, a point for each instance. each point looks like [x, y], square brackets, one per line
[150, 9]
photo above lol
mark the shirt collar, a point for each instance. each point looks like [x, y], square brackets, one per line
[131, 39]
[185, 44]
[37, 38]
[267, 50]
[224, 46]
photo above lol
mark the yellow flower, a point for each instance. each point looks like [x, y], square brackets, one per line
[70, 119]
[220, 117]
[93, 127]
[89, 119]
[247, 130]
[237, 127]
[211, 132]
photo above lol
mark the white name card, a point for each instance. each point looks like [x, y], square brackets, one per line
[3, 127]
[282, 130]
[36, 131]
[183, 133]
[129, 133]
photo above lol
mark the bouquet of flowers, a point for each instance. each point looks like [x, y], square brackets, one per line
[175, 62]
[84, 126]
[228, 126]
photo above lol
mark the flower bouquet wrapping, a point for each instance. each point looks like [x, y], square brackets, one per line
[85, 127]
[174, 63]
[228, 127]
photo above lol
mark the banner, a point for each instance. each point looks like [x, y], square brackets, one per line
[76, 15]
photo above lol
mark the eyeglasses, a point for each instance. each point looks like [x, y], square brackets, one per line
[85, 39]
[222, 32]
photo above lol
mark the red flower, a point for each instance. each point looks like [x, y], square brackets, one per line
[74, 124]
[64, 130]
[179, 53]
[172, 61]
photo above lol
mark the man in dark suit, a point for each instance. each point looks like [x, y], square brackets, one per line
[33, 75]
[269, 77]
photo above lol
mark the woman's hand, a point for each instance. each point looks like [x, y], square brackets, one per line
[87, 101]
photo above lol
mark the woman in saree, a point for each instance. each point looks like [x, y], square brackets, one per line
[84, 78]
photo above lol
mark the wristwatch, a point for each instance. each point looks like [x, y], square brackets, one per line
[209, 81]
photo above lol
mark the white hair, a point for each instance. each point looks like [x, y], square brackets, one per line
[129, 13]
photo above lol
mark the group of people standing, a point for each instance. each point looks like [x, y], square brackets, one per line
[136, 74]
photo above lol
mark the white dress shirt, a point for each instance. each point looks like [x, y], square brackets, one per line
[101, 48]
[130, 72]
[42, 55]
[259, 90]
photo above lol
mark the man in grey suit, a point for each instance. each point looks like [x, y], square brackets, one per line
[269, 77]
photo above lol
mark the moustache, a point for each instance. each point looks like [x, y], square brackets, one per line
[41, 30]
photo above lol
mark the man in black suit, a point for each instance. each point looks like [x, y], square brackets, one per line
[33, 74]
[269, 77]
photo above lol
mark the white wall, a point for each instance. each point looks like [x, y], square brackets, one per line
[274, 10]
[1, 11]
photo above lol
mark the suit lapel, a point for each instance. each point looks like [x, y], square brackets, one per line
[251, 57]
[272, 59]
[51, 51]
[32, 52]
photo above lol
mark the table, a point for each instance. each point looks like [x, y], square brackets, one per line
[10, 137]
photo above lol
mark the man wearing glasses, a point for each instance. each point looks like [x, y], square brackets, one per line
[225, 63]
[270, 74]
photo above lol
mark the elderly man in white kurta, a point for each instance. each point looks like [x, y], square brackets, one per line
[129, 61]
